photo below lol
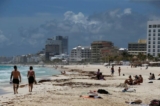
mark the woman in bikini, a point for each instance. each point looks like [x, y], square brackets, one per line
[31, 78]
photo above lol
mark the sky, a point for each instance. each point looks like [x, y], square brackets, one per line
[26, 24]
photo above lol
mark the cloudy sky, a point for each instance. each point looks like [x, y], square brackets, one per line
[26, 24]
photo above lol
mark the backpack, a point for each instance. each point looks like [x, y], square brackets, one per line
[155, 103]
[102, 91]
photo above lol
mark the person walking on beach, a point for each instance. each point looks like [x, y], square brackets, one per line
[31, 78]
[16, 79]
[119, 71]
[112, 70]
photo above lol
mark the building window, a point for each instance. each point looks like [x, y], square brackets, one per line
[154, 34]
[149, 30]
[154, 26]
[150, 26]
[158, 30]
[153, 42]
[153, 46]
[153, 50]
[149, 38]
[154, 30]
[149, 42]
[149, 34]
[149, 46]
[154, 38]
[159, 26]
[158, 50]
[158, 46]
[149, 50]
[158, 38]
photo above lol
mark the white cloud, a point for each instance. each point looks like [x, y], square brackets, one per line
[3, 38]
[114, 12]
[127, 11]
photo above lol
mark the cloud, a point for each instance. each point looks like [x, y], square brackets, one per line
[127, 11]
[117, 25]
[3, 38]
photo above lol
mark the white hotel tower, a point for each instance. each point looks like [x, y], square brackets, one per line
[153, 38]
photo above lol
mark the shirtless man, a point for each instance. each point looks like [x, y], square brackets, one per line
[16, 79]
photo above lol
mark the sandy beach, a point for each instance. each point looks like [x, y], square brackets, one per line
[71, 89]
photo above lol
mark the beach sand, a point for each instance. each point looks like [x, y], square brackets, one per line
[65, 90]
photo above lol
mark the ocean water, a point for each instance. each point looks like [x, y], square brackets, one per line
[40, 72]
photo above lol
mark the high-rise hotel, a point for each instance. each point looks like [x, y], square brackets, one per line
[153, 38]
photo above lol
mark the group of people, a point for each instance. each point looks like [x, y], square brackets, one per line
[112, 71]
[15, 78]
[151, 76]
[99, 75]
[138, 80]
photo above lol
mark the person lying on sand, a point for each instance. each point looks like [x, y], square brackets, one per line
[129, 81]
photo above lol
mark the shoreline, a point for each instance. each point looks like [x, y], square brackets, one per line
[79, 80]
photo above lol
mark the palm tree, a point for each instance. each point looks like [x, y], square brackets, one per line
[150, 57]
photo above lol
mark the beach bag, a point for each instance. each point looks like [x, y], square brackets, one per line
[102, 91]
[155, 103]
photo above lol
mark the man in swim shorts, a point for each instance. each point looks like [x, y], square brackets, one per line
[16, 79]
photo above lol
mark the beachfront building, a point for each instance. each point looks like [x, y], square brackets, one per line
[136, 48]
[108, 52]
[56, 46]
[153, 38]
[80, 53]
[96, 47]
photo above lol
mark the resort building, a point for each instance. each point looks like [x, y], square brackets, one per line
[96, 47]
[56, 46]
[136, 48]
[153, 38]
[80, 54]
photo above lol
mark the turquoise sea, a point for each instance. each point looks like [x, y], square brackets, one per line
[41, 72]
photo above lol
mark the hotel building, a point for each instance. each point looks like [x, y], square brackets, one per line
[80, 53]
[96, 47]
[56, 46]
[136, 48]
[153, 38]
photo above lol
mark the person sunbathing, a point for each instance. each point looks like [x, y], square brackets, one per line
[129, 81]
